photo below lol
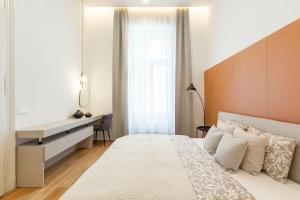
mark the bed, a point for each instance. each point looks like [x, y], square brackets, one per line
[148, 167]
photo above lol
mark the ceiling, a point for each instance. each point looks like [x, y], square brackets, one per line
[150, 3]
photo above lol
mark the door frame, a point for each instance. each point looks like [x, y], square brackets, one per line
[4, 107]
[10, 180]
[10, 138]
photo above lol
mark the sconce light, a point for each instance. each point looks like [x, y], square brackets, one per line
[84, 96]
[83, 80]
[83, 90]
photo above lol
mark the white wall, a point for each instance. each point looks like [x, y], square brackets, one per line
[98, 57]
[98, 51]
[236, 24]
[47, 54]
[199, 26]
[217, 32]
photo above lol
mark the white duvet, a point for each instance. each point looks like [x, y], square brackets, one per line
[129, 174]
[147, 167]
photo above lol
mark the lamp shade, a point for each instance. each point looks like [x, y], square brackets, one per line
[191, 87]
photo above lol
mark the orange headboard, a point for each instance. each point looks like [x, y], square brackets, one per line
[262, 80]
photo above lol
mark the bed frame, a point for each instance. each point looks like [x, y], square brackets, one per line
[273, 127]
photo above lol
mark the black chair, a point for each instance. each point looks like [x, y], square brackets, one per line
[104, 125]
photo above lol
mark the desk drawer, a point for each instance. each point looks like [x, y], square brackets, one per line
[57, 146]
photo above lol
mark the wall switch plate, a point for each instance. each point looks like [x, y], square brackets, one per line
[22, 110]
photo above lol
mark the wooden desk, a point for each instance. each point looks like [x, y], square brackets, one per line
[49, 141]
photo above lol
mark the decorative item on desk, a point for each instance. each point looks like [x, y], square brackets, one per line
[78, 114]
[88, 115]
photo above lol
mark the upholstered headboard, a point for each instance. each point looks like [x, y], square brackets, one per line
[273, 127]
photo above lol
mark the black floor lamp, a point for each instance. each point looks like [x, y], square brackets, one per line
[203, 128]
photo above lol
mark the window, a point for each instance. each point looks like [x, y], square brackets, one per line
[151, 70]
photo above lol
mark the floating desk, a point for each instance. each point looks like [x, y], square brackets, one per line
[48, 142]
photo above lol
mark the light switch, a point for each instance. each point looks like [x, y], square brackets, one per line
[22, 110]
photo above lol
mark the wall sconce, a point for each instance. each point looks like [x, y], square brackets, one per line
[83, 80]
[84, 93]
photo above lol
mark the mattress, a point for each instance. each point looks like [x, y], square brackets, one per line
[148, 167]
[263, 187]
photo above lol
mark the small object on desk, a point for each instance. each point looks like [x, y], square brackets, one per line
[204, 130]
[78, 114]
[88, 115]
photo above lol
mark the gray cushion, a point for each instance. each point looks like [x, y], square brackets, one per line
[230, 152]
[212, 140]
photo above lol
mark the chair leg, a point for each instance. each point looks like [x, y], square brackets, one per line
[95, 135]
[104, 137]
[108, 135]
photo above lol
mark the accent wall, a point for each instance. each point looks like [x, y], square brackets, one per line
[262, 80]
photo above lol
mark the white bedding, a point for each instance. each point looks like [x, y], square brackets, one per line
[147, 167]
[263, 187]
[125, 172]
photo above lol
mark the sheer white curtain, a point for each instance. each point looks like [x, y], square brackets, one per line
[151, 70]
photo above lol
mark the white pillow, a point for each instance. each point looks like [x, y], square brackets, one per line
[228, 128]
[254, 158]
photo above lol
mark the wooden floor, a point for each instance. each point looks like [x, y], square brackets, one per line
[61, 176]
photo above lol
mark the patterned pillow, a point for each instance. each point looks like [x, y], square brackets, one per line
[278, 156]
[254, 131]
[228, 128]
[237, 124]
